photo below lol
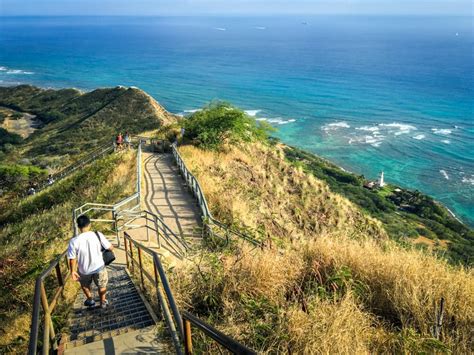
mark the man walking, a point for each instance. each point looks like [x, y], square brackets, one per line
[86, 261]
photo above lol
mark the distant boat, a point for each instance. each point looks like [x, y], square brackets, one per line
[457, 33]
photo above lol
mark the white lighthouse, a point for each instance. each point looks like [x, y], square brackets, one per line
[381, 182]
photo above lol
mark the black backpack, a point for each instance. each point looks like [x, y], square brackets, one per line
[107, 255]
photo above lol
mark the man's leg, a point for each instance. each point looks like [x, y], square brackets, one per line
[101, 279]
[86, 281]
[87, 292]
[102, 293]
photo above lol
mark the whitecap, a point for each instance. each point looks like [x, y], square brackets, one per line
[3, 68]
[252, 113]
[192, 111]
[260, 28]
[446, 141]
[19, 71]
[445, 174]
[368, 128]
[220, 28]
[335, 125]
[277, 120]
[467, 180]
[419, 136]
[402, 127]
[441, 131]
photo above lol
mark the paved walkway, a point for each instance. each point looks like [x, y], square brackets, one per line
[168, 197]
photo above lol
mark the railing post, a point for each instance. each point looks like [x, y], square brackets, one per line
[147, 232]
[126, 252]
[48, 333]
[157, 232]
[132, 267]
[188, 341]
[141, 267]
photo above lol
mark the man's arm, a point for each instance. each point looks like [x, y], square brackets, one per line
[73, 267]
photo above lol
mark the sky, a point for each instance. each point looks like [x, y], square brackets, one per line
[233, 7]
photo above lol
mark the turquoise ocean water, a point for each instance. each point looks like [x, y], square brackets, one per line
[369, 93]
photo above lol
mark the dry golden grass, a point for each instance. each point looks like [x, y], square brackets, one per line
[335, 284]
[256, 186]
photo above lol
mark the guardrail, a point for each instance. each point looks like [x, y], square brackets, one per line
[98, 153]
[223, 232]
[130, 203]
[165, 237]
[40, 299]
[180, 333]
[222, 339]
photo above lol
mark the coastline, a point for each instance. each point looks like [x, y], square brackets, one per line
[326, 160]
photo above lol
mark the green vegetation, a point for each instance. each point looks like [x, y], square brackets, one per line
[15, 177]
[8, 140]
[404, 213]
[76, 123]
[221, 123]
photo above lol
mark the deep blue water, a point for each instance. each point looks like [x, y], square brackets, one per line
[370, 93]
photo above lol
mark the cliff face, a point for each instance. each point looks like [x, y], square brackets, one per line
[74, 122]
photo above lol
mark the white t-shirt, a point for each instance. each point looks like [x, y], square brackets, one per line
[86, 249]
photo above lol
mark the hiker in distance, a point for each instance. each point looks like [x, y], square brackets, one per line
[86, 261]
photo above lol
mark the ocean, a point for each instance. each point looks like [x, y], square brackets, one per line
[375, 93]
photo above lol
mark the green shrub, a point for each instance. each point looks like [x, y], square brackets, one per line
[221, 123]
[16, 176]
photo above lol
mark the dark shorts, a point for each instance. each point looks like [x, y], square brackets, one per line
[100, 279]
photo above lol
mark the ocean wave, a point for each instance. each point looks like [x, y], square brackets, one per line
[192, 111]
[374, 141]
[280, 121]
[19, 72]
[441, 131]
[445, 174]
[403, 128]
[468, 180]
[335, 126]
[446, 141]
[3, 68]
[368, 128]
[419, 136]
[252, 113]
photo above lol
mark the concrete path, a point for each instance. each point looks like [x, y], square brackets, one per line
[168, 197]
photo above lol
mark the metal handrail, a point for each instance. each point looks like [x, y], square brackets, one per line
[179, 330]
[117, 207]
[103, 150]
[209, 220]
[41, 300]
[175, 327]
[230, 344]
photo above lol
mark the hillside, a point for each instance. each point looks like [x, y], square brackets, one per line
[74, 122]
[330, 279]
[68, 124]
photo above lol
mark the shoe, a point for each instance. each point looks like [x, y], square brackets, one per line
[89, 303]
[104, 305]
